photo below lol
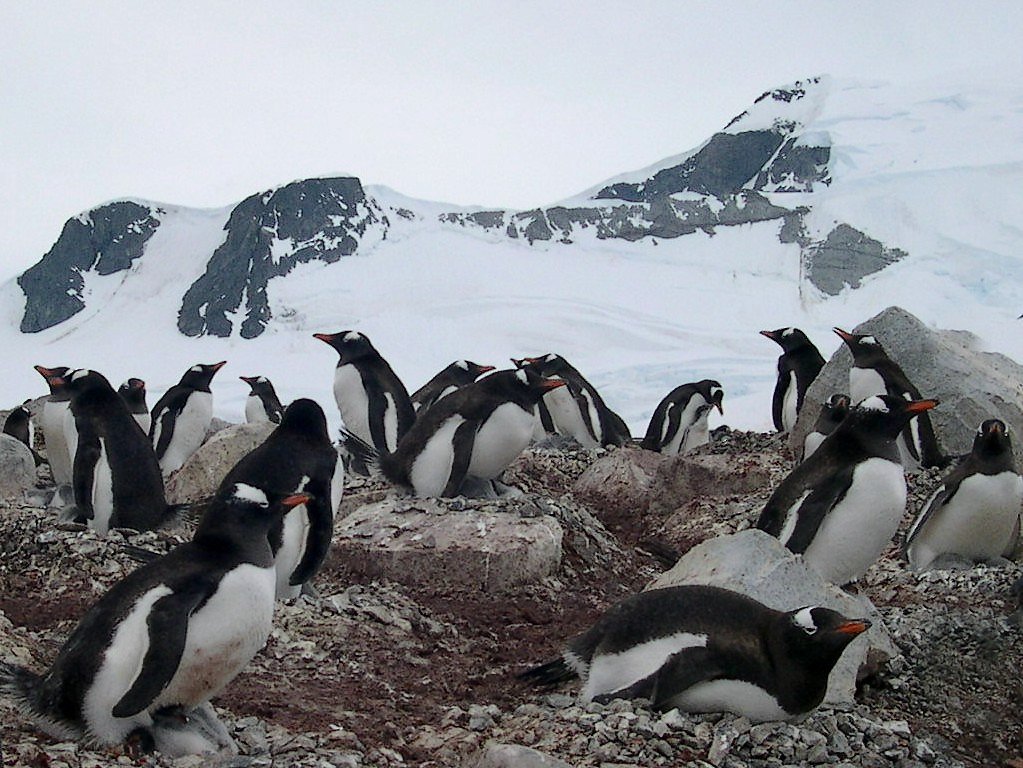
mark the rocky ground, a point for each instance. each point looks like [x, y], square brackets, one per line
[378, 673]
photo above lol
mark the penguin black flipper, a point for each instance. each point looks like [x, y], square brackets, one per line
[377, 412]
[814, 508]
[942, 496]
[681, 671]
[168, 412]
[321, 529]
[463, 442]
[84, 473]
[674, 417]
[168, 629]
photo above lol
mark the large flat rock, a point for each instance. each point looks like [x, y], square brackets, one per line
[202, 473]
[423, 542]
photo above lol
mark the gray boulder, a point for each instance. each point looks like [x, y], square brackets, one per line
[513, 756]
[972, 385]
[685, 477]
[424, 542]
[202, 473]
[17, 468]
[756, 564]
[619, 484]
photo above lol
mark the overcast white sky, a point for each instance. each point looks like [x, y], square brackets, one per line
[505, 103]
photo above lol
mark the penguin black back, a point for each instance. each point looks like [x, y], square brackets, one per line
[680, 415]
[456, 375]
[262, 404]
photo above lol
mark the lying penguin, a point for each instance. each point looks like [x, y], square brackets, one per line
[706, 649]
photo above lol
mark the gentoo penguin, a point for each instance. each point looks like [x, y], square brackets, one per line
[297, 457]
[798, 366]
[679, 422]
[133, 392]
[706, 649]
[262, 404]
[182, 416]
[475, 432]
[873, 372]
[54, 410]
[374, 404]
[577, 410]
[841, 506]
[18, 425]
[169, 636]
[832, 414]
[975, 512]
[455, 376]
[116, 477]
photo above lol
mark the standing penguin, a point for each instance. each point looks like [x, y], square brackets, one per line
[374, 404]
[54, 411]
[169, 636]
[182, 416]
[975, 512]
[133, 392]
[679, 422]
[297, 457]
[262, 404]
[873, 372]
[457, 375]
[117, 481]
[841, 506]
[706, 649]
[475, 432]
[798, 366]
[577, 410]
[832, 414]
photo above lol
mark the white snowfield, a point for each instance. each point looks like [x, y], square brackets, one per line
[934, 169]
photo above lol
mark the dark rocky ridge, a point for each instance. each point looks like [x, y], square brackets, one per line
[739, 177]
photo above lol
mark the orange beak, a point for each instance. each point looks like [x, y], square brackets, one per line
[919, 406]
[853, 627]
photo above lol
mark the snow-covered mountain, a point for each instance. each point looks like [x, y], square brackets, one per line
[819, 205]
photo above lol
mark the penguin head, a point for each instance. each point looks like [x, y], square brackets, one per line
[712, 393]
[84, 380]
[787, 338]
[306, 417]
[524, 385]
[865, 348]
[349, 345]
[546, 365]
[885, 415]
[133, 391]
[475, 370]
[992, 438]
[814, 636]
[54, 377]
[200, 375]
[244, 511]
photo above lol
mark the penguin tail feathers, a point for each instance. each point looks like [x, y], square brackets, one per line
[179, 513]
[549, 674]
[359, 456]
[25, 689]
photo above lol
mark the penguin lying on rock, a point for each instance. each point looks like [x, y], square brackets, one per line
[975, 512]
[706, 649]
[679, 422]
[473, 433]
[166, 638]
[841, 507]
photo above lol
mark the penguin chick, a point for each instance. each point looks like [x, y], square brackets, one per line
[975, 512]
[798, 366]
[171, 634]
[706, 649]
[841, 506]
[679, 422]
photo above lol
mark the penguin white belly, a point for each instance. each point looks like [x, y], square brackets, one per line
[856, 531]
[864, 382]
[117, 671]
[70, 438]
[189, 431]
[611, 672]
[788, 408]
[566, 416]
[738, 696]
[390, 422]
[692, 429]
[223, 636]
[56, 442]
[979, 522]
[431, 469]
[102, 492]
[255, 412]
[500, 439]
[352, 401]
[293, 544]
[337, 486]
[144, 420]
